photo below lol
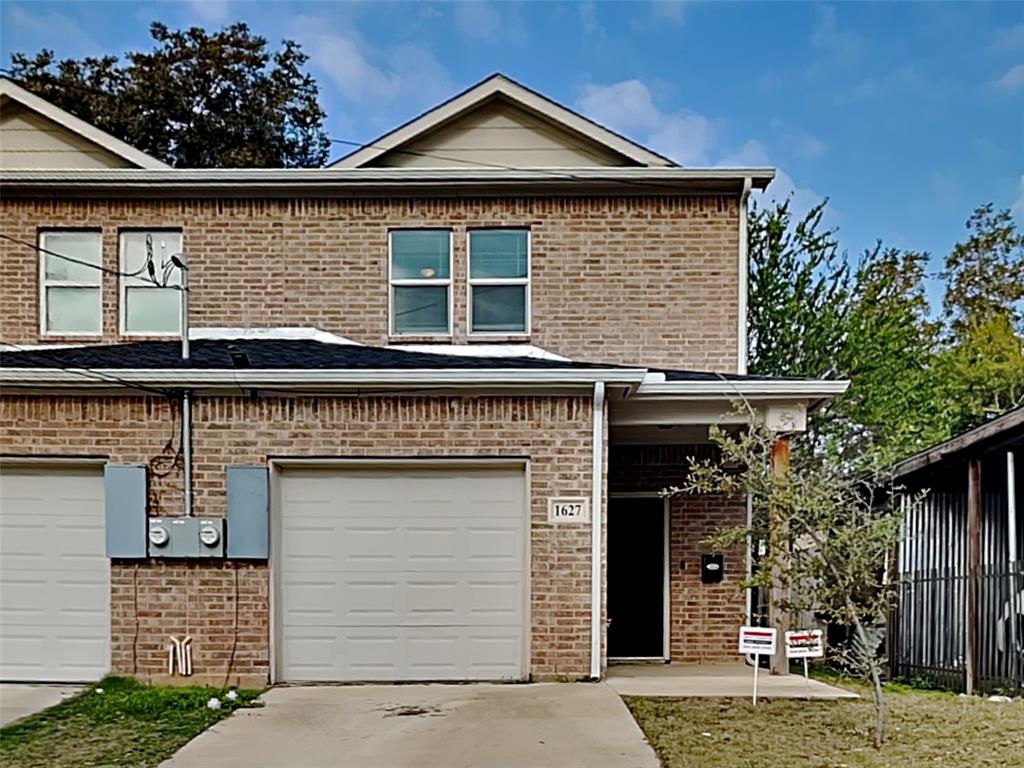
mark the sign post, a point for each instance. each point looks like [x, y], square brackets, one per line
[759, 641]
[805, 644]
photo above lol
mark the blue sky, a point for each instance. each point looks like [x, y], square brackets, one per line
[905, 115]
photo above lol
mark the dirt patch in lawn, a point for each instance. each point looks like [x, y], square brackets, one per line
[924, 728]
[128, 724]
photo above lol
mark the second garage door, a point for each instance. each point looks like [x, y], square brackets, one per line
[402, 573]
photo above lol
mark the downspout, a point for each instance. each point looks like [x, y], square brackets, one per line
[186, 400]
[596, 559]
[744, 279]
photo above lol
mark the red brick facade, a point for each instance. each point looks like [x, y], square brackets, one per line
[704, 618]
[152, 599]
[647, 281]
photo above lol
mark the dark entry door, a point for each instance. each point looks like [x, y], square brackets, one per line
[636, 577]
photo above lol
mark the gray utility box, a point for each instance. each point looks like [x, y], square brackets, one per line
[186, 537]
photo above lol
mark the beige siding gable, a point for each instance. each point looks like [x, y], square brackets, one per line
[28, 140]
[499, 133]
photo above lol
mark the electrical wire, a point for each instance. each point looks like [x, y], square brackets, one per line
[106, 270]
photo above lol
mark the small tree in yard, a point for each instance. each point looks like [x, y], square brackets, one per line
[831, 530]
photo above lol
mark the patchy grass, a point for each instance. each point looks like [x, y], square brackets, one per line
[129, 724]
[923, 728]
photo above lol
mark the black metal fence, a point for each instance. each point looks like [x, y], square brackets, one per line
[931, 636]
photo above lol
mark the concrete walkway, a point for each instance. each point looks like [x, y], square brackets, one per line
[18, 700]
[582, 725]
[715, 681]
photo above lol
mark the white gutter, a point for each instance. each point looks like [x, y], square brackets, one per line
[744, 271]
[253, 378]
[363, 177]
[596, 552]
[803, 388]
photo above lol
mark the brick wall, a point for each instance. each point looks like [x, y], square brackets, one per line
[152, 599]
[636, 280]
[704, 618]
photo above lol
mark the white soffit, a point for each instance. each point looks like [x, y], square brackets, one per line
[11, 90]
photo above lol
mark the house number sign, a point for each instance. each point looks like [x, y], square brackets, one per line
[569, 510]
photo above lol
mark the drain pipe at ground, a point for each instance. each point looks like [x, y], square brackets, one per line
[596, 495]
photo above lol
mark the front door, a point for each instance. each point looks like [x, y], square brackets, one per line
[636, 577]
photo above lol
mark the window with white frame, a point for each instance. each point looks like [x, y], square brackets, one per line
[499, 281]
[420, 273]
[148, 308]
[71, 288]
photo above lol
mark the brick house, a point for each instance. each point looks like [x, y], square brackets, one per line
[432, 393]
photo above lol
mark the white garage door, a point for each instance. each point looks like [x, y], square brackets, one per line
[402, 573]
[54, 575]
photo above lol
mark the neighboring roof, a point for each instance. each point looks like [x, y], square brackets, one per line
[11, 90]
[500, 86]
[1006, 429]
[368, 182]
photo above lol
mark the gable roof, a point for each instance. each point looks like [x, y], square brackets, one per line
[495, 87]
[11, 90]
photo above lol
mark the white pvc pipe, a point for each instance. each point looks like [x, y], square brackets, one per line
[1011, 505]
[596, 560]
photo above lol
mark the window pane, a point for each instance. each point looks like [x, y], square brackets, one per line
[83, 246]
[499, 308]
[165, 245]
[498, 253]
[420, 254]
[152, 310]
[420, 309]
[73, 310]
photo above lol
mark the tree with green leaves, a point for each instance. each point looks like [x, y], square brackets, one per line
[813, 315]
[833, 527]
[197, 100]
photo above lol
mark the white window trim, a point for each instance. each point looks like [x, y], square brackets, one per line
[447, 282]
[471, 281]
[43, 285]
[123, 286]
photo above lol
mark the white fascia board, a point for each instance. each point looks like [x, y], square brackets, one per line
[703, 390]
[246, 378]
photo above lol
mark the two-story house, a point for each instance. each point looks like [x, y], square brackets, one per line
[434, 389]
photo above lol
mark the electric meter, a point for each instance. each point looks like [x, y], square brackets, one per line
[209, 535]
[158, 536]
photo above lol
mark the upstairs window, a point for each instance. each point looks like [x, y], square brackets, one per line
[499, 282]
[420, 273]
[70, 288]
[149, 309]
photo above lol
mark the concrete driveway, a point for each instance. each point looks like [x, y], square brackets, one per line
[18, 700]
[449, 726]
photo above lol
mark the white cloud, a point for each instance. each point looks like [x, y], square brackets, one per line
[1017, 209]
[478, 20]
[828, 36]
[809, 146]
[588, 19]
[1009, 38]
[210, 11]
[672, 11]
[1012, 79]
[686, 137]
[52, 26]
[373, 76]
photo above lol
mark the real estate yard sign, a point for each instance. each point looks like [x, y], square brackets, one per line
[759, 641]
[805, 644]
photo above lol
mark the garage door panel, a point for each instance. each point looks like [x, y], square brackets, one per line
[54, 575]
[402, 574]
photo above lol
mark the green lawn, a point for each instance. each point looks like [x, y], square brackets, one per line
[925, 728]
[129, 724]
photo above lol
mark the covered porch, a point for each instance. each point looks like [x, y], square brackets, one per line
[670, 598]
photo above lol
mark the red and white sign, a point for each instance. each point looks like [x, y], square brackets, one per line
[758, 640]
[804, 644]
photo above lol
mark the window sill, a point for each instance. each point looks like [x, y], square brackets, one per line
[498, 338]
[439, 340]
